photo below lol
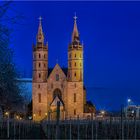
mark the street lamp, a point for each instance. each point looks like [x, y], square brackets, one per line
[7, 114]
[129, 101]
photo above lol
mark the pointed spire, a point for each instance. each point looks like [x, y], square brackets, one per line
[75, 33]
[40, 35]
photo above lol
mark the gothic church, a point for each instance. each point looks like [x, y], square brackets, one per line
[51, 85]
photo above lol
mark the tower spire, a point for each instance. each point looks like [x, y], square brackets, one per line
[75, 33]
[40, 35]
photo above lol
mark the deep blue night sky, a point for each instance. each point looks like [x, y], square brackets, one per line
[111, 35]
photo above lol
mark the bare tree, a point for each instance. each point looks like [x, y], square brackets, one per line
[9, 87]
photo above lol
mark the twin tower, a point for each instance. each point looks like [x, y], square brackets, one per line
[51, 85]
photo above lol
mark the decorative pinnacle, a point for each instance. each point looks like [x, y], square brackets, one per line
[75, 17]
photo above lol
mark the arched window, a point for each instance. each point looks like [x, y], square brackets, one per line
[74, 97]
[39, 98]
[34, 56]
[39, 55]
[57, 77]
[69, 64]
[75, 74]
[39, 86]
[75, 64]
[70, 55]
[39, 75]
[39, 65]
[74, 111]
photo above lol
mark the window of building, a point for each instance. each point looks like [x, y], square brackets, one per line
[57, 77]
[75, 85]
[44, 55]
[75, 64]
[70, 55]
[39, 55]
[69, 64]
[39, 75]
[39, 86]
[39, 98]
[74, 97]
[75, 74]
[44, 65]
[74, 111]
[34, 56]
[39, 112]
[39, 65]
[75, 55]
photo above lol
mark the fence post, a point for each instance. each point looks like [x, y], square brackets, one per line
[70, 128]
[135, 122]
[57, 120]
[92, 129]
[8, 126]
[78, 126]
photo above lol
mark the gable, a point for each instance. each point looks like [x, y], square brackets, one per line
[56, 71]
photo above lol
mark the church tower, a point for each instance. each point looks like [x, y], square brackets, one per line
[40, 73]
[75, 56]
[75, 74]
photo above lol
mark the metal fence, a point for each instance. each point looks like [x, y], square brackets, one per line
[14, 129]
[110, 128]
[93, 129]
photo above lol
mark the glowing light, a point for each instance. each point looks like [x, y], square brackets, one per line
[102, 112]
[129, 100]
[17, 117]
[6, 113]
[45, 114]
[34, 115]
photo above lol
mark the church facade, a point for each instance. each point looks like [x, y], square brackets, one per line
[53, 85]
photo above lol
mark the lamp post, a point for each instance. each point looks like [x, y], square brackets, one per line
[7, 114]
[128, 101]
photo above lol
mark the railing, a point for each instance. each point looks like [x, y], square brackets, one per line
[16, 129]
[109, 128]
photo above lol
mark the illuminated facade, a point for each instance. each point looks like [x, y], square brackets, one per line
[58, 84]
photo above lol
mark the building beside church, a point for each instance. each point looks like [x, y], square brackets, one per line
[51, 85]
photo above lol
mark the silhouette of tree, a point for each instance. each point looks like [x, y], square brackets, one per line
[9, 87]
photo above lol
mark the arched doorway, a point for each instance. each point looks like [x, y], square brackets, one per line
[57, 97]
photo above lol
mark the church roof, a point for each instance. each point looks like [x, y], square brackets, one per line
[65, 70]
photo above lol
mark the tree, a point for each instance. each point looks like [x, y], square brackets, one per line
[10, 96]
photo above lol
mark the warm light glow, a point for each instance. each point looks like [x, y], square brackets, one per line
[45, 114]
[102, 112]
[17, 117]
[34, 115]
[6, 113]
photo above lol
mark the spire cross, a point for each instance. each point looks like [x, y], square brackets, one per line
[40, 18]
[75, 17]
